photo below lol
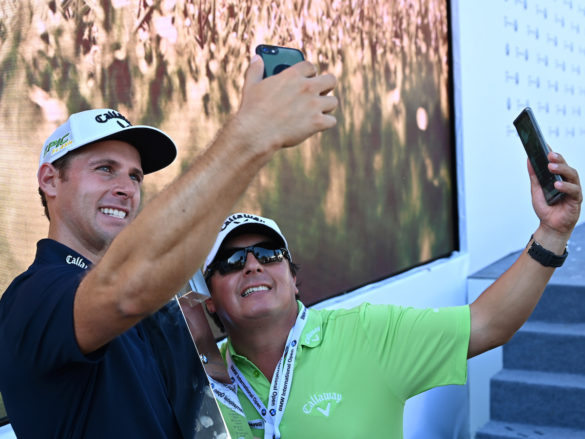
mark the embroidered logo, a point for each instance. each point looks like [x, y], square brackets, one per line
[317, 401]
[113, 115]
[240, 218]
[76, 261]
[57, 145]
[326, 411]
[313, 336]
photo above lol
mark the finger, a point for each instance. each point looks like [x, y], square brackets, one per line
[535, 187]
[319, 123]
[305, 68]
[572, 190]
[327, 121]
[328, 104]
[531, 171]
[555, 157]
[326, 83]
[565, 171]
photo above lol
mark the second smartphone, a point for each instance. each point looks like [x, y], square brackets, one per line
[537, 151]
[277, 58]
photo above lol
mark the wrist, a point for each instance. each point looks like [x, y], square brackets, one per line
[551, 239]
[544, 256]
[254, 134]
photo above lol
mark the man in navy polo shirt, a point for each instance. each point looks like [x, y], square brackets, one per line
[78, 329]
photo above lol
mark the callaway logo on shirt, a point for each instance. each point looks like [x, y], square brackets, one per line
[322, 402]
[76, 261]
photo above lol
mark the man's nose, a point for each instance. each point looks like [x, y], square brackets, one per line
[252, 264]
[125, 187]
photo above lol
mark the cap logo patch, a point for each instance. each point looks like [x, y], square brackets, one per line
[240, 218]
[103, 118]
[57, 145]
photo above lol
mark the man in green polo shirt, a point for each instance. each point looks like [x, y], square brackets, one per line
[348, 373]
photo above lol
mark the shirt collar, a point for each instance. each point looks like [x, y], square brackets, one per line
[51, 251]
[311, 336]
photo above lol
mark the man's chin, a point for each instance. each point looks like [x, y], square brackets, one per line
[108, 234]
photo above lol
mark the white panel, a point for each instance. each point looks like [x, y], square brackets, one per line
[515, 53]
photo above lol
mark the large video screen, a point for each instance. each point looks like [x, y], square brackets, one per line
[370, 198]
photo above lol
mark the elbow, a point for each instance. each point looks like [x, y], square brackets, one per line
[133, 307]
[488, 337]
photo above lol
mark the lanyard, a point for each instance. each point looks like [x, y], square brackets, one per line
[281, 381]
[227, 394]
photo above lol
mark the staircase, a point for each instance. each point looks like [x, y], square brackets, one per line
[540, 392]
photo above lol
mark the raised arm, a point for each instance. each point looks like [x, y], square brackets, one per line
[152, 258]
[504, 307]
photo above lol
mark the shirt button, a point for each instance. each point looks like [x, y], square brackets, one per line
[256, 373]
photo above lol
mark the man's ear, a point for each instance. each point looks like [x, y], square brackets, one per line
[210, 305]
[47, 177]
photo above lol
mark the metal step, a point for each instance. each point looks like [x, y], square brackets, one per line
[509, 430]
[547, 347]
[538, 398]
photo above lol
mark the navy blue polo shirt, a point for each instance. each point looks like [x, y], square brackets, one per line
[137, 386]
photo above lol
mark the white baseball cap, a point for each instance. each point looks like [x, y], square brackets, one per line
[156, 149]
[244, 222]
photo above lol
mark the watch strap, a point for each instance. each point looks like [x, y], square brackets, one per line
[545, 257]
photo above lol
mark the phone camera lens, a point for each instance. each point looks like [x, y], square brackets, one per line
[266, 49]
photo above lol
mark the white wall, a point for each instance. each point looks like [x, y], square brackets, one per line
[515, 53]
[508, 54]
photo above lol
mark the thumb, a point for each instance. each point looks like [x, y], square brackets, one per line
[255, 72]
[532, 174]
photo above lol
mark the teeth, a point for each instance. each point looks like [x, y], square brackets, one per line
[251, 290]
[114, 212]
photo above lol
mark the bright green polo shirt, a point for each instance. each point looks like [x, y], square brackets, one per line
[356, 368]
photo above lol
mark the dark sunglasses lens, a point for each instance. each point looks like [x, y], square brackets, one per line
[235, 262]
[237, 259]
[265, 256]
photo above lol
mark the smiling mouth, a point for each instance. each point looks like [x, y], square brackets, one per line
[113, 212]
[252, 290]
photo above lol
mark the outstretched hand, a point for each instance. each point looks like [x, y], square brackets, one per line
[285, 109]
[562, 216]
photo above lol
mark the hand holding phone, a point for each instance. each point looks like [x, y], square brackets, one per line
[277, 58]
[537, 151]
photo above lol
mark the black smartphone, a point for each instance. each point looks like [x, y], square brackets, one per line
[277, 58]
[537, 151]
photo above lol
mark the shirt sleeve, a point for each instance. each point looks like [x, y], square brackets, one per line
[418, 349]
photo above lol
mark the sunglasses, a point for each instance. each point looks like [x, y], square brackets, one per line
[234, 259]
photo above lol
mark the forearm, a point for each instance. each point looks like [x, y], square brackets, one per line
[155, 255]
[506, 305]
[152, 258]
[181, 223]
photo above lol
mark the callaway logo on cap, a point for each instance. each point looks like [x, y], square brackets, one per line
[251, 223]
[156, 149]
